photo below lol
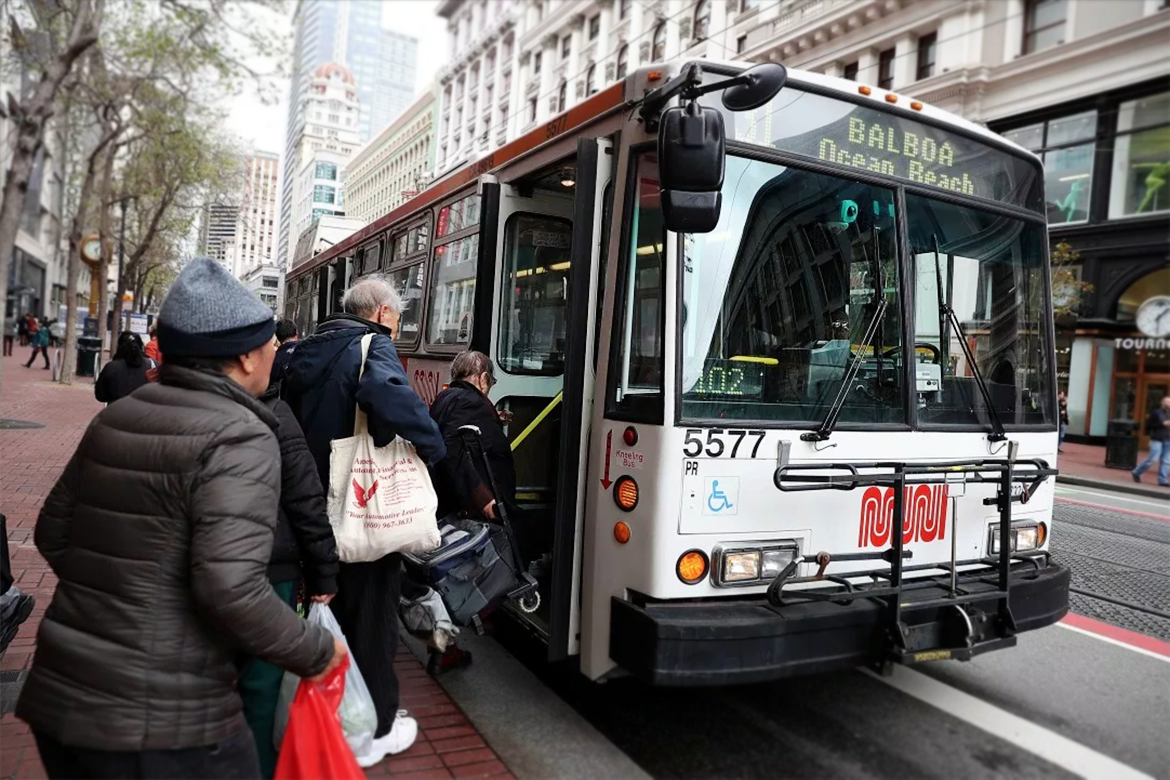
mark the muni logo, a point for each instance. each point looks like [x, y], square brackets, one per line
[925, 515]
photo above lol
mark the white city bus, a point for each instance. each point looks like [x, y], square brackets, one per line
[739, 354]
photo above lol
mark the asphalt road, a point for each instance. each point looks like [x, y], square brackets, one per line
[1063, 703]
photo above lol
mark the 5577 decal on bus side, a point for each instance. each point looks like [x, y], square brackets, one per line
[720, 443]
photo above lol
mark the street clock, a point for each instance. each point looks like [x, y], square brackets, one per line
[1153, 317]
[91, 249]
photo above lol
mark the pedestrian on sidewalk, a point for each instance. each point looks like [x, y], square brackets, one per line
[125, 373]
[151, 350]
[39, 340]
[10, 332]
[1158, 429]
[15, 607]
[323, 387]
[303, 549]
[22, 329]
[1062, 400]
[160, 531]
[288, 338]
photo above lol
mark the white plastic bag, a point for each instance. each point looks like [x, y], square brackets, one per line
[380, 499]
[358, 717]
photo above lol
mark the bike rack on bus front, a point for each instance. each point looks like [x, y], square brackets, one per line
[905, 642]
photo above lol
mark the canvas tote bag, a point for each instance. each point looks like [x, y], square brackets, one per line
[381, 499]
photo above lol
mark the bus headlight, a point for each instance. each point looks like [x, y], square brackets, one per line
[746, 564]
[741, 566]
[1024, 537]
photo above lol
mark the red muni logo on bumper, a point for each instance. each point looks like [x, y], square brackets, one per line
[924, 515]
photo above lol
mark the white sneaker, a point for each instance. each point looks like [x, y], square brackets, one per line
[401, 736]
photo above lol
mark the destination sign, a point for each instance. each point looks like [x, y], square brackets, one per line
[870, 139]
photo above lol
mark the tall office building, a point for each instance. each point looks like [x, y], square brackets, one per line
[217, 234]
[383, 64]
[256, 221]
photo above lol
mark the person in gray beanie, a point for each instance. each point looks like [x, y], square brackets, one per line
[159, 531]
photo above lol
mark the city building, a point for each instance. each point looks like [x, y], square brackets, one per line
[328, 140]
[37, 274]
[383, 66]
[255, 236]
[393, 166]
[267, 281]
[515, 65]
[217, 234]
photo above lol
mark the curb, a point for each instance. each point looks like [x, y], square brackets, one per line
[1134, 489]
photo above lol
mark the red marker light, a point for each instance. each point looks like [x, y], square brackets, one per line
[630, 436]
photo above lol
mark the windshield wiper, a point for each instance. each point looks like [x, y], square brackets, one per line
[946, 314]
[830, 422]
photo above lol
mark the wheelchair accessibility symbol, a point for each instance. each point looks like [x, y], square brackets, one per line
[721, 496]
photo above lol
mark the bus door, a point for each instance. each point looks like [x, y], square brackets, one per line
[535, 347]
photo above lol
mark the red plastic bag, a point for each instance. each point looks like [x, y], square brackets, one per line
[314, 747]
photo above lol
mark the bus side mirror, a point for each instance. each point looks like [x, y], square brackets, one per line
[691, 152]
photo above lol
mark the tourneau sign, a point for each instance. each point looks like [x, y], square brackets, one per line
[870, 139]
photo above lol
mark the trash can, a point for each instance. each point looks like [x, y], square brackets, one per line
[88, 349]
[1121, 445]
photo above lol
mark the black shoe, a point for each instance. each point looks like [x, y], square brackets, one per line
[17, 615]
[1136, 477]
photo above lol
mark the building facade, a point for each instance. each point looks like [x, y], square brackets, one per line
[328, 141]
[37, 274]
[217, 234]
[267, 282]
[395, 165]
[384, 67]
[255, 236]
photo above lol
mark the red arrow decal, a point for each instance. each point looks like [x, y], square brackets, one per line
[605, 481]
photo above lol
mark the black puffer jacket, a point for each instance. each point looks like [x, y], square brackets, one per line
[119, 379]
[464, 483]
[303, 540]
[160, 532]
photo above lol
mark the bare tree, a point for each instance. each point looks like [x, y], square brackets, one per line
[66, 31]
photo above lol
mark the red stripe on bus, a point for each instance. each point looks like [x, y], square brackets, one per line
[1122, 635]
[581, 114]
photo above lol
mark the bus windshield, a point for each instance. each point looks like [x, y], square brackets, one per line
[777, 301]
[783, 296]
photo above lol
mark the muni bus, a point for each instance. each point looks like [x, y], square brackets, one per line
[777, 353]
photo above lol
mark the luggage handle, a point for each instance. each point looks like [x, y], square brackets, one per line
[466, 431]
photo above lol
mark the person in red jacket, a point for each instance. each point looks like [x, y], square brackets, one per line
[152, 350]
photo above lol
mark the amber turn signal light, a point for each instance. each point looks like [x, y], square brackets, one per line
[692, 566]
[621, 532]
[625, 493]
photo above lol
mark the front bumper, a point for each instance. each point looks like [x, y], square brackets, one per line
[747, 640]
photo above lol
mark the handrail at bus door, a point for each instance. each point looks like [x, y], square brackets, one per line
[538, 420]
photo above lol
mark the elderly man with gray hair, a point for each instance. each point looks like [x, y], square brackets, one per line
[323, 384]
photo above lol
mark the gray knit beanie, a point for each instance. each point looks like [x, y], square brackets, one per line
[207, 313]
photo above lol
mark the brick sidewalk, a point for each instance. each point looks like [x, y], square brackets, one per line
[1088, 462]
[30, 462]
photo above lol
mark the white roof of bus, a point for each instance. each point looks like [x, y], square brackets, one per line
[846, 87]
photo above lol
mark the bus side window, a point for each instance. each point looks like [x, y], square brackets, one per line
[636, 359]
[536, 279]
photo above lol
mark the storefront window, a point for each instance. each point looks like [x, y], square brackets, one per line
[1141, 158]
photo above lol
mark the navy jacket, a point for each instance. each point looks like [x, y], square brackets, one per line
[280, 362]
[322, 387]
